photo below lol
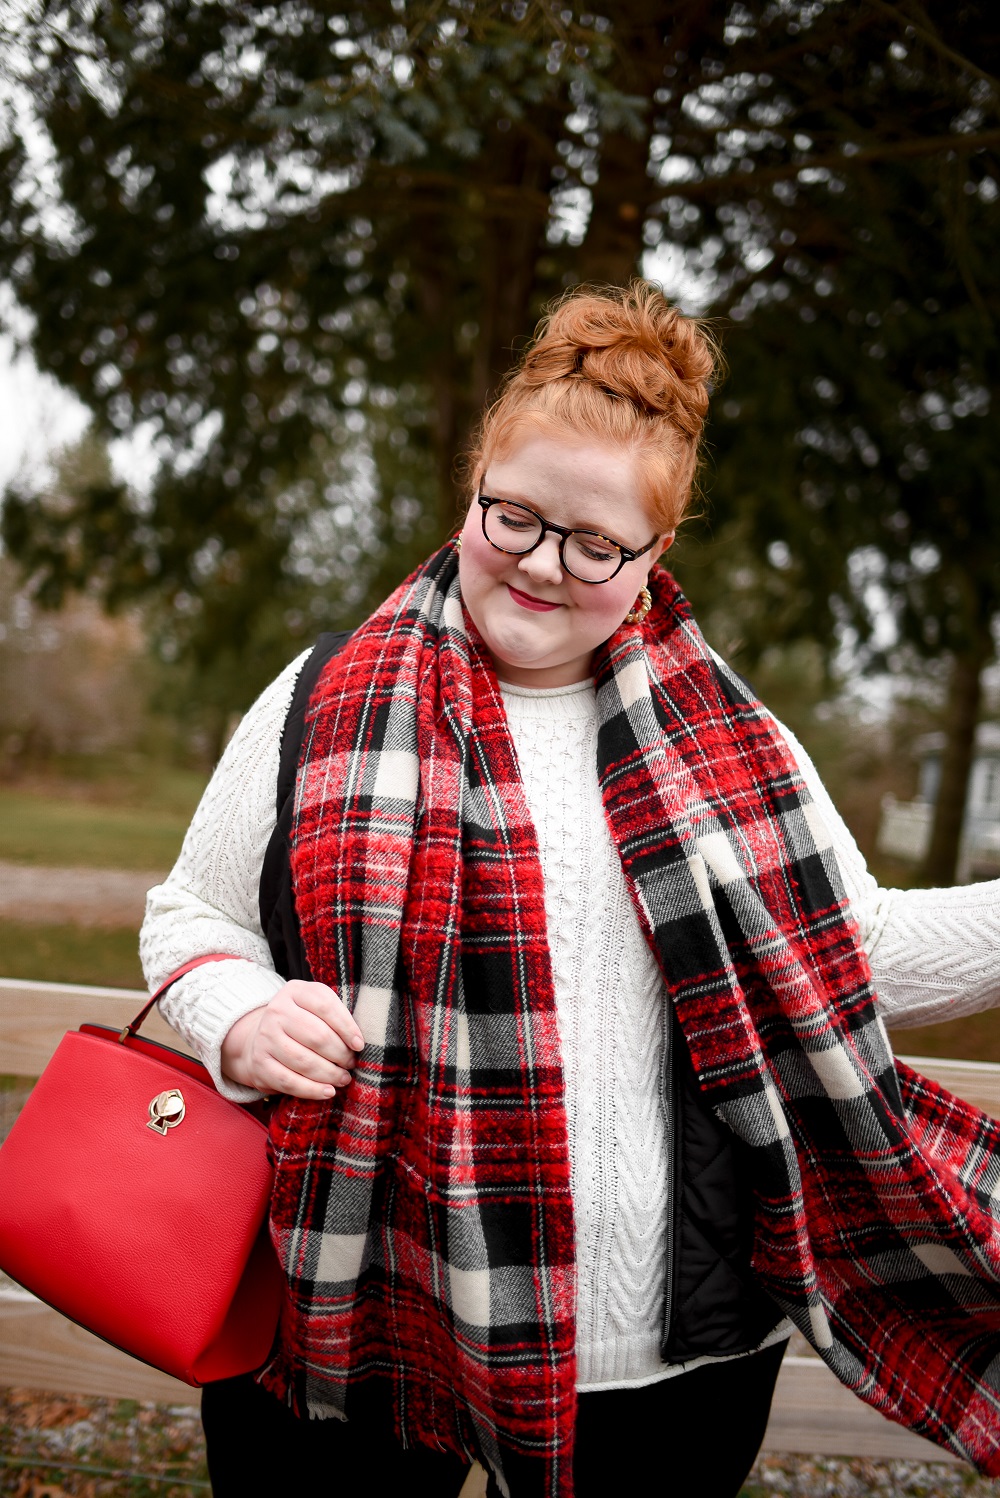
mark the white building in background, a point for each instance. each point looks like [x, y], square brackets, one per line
[905, 826]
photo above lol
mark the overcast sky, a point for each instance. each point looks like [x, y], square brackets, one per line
[36, 415]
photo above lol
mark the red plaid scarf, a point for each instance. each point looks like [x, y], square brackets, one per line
[425, 1219]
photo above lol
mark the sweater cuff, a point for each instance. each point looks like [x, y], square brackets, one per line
[205, 1004]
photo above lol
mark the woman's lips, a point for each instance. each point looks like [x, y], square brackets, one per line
[527, 602]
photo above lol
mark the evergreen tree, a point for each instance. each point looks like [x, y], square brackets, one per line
[299, 242]
[855, 441]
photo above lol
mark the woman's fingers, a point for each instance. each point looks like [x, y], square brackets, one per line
[286, 1018]
[305, 1030]
[320, 1000]
[304, 1042]
[272, 1077]
[308, 1034]
[306, 1062]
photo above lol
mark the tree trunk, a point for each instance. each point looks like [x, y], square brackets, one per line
[964, 698]
[648, 36]
[511, 220]
[512, 246]
[613, 245]
[512, 214]
[436, 291]
[624, 190]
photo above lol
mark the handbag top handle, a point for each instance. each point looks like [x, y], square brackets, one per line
[129, 1031]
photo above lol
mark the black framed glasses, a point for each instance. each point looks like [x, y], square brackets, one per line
[586, 555]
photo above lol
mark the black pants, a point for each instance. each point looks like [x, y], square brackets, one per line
[695, 1436]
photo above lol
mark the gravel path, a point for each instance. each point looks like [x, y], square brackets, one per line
[86, 897]
[836, 1477]
[124, 1440]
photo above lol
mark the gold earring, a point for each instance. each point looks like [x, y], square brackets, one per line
[641, 608]
[458, 542]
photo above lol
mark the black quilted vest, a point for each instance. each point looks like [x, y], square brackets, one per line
[713, 1305]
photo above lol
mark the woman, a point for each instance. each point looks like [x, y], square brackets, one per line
[586, 1094]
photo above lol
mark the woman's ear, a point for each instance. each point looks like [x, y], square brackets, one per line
[664, 543]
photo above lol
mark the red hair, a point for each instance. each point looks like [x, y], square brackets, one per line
[621, 365]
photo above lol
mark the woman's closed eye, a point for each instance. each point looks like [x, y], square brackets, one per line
[514, 522]
[595, 550]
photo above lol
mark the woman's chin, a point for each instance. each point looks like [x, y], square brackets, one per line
[519, 642]
[525, 660]
[526, 665]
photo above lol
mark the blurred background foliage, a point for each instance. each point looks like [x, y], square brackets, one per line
[293, 247]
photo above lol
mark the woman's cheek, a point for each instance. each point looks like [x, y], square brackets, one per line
[612, 607]
[478, 559]
[475, 570]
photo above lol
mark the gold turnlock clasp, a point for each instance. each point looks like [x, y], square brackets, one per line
[166, 1111]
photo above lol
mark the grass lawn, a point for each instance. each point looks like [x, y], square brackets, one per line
[120, 814]
[70, 954]
[127, 812]
[976, 1038]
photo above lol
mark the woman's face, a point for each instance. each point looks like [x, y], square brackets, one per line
[540, 624]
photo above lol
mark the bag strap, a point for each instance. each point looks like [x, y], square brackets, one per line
[275, 897]
[328, 644]
[129, 1031]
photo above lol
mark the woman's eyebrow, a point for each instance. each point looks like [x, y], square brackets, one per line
[512, 495]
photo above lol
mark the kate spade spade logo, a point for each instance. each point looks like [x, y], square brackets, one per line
[166, 1111]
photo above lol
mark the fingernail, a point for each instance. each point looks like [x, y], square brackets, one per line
[358, 1043]
[329, 1092]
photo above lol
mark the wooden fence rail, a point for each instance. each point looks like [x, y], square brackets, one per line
[812, 1413]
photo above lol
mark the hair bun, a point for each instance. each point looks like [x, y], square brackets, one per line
[631, 344]
[619, 365]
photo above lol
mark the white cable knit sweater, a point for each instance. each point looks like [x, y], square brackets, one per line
[609, 998]
[935, 955]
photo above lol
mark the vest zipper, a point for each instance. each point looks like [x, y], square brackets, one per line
[671, 1108]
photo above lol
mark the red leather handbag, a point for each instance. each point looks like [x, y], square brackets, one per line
[134, 1199]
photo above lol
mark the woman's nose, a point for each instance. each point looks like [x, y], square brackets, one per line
[543, 563]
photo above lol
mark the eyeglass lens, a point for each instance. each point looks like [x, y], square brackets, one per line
[514, 529]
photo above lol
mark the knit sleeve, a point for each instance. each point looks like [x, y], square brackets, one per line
[935, 953]
[209, 901]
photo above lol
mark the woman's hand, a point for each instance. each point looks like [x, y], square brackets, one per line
[304, 1042]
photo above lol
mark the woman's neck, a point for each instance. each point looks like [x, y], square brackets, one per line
[575, 689]
[566, 674]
